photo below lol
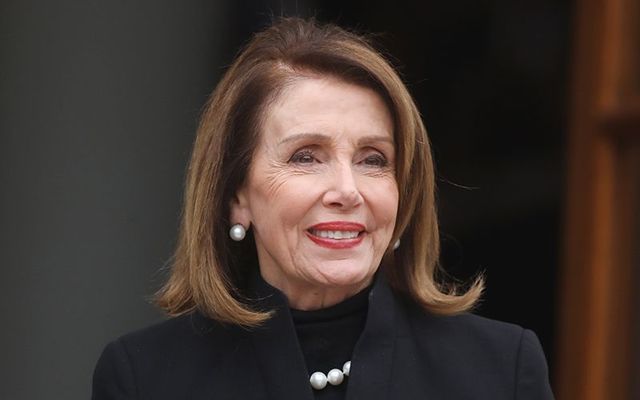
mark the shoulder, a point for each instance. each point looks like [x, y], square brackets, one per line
[192, 327]
[479, 349]
[466, 327]
[189, 335]
[178, 349]
[472, 335]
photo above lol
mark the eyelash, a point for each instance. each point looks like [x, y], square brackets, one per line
[299, 155]
[306, 156]
[379, 161]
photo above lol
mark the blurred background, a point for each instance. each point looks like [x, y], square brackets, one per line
[532, 108]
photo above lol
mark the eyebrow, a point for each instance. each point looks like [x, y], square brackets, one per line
[376, 139]
[321, 137]
[305, 136]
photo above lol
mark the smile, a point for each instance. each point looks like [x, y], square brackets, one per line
[337, 234]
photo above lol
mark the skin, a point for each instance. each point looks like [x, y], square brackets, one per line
[326, 153]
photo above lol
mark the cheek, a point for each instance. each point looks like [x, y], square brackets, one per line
[383, 200]
[271, 184]
[283, 199]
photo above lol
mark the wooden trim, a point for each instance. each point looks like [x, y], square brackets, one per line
[596, 282]
[622, 315]
[623, 121]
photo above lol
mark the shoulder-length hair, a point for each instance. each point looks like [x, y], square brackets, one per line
[209, 270]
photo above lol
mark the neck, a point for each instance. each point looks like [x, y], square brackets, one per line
[306, 297]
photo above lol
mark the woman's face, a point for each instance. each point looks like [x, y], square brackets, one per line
[321, 194]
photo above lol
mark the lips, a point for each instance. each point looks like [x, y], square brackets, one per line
[337, 234]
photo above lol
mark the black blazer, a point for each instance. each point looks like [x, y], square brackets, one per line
[403, 353]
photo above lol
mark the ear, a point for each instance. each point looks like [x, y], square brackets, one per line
[240, 210]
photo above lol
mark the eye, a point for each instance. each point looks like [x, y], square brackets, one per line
[375, 160]
[303, 157]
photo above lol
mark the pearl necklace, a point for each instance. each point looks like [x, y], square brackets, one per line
[318, 380]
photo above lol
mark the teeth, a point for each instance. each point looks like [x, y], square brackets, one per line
[336, 234]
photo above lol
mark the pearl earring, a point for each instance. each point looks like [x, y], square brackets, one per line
[396, 244]
[237, 232]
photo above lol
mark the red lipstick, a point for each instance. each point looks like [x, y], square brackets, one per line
[344, 226]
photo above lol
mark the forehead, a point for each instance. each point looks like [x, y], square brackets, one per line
[327, 106]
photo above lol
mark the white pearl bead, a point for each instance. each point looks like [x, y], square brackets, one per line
[237, 232]
[318, 380]
[396, 244]
[335, 377]
[346, 368]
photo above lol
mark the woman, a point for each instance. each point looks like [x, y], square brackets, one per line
[306, 264]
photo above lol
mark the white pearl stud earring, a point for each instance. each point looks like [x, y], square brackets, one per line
[396, 244]
[237, 232]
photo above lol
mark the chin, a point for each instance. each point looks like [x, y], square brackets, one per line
[341, 274]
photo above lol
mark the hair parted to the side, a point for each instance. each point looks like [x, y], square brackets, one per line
[209, 269]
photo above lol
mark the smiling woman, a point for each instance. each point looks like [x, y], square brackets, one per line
[323, 204]
[307, 260]
[275, 83]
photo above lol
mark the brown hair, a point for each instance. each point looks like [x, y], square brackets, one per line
[210, 270]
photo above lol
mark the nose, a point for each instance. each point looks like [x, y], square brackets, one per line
[342, 191]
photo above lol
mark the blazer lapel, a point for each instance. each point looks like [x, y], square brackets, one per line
[279, 356]
[373, 355]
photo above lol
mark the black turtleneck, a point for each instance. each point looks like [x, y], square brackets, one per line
[328, 336]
